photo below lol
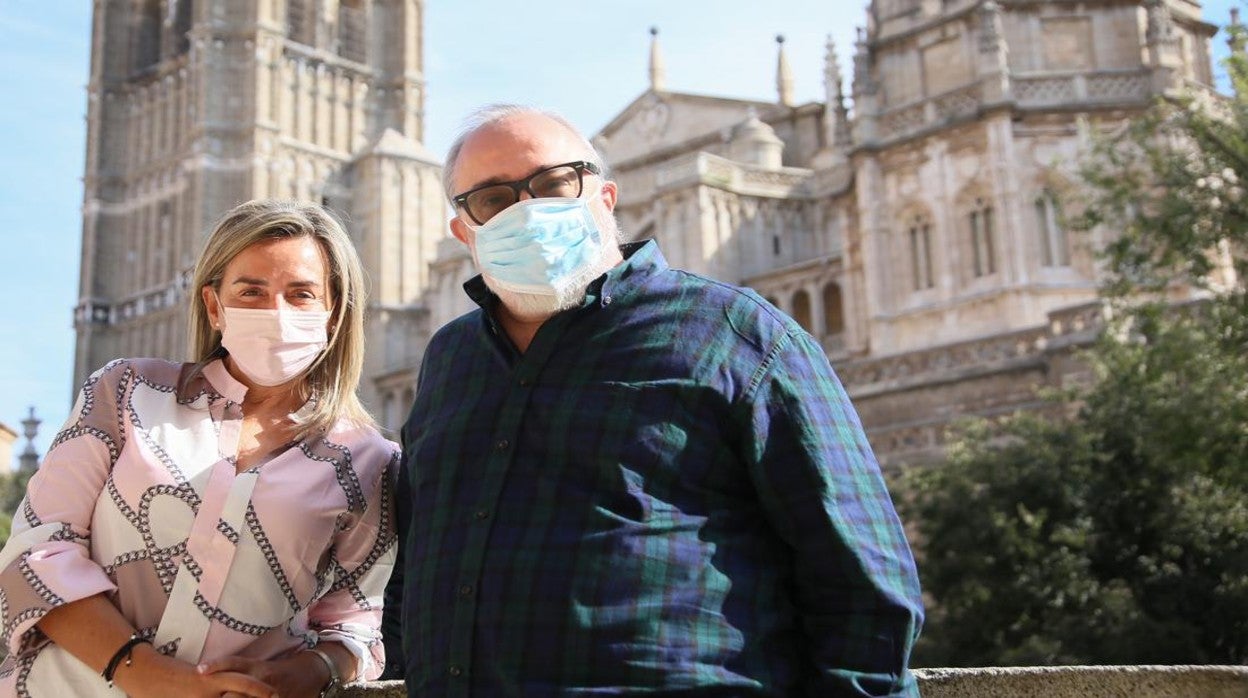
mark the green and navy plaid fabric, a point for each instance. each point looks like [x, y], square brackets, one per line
[668, 493]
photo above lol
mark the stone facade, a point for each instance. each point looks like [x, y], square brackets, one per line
[918, 237]
[197, 105]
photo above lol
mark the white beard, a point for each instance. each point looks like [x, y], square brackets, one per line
[535, 307]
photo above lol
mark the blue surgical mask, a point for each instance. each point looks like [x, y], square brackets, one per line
[539, 246]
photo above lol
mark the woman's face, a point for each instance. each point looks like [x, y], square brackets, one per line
[286, 273]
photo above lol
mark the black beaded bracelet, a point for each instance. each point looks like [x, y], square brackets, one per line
[124, 652]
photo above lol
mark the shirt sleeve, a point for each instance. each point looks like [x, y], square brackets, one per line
[856, 586]
[46, 561]
[362, 558]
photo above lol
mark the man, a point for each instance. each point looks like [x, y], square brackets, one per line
[627, 479]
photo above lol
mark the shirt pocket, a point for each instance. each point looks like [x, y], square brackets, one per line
[626, 448]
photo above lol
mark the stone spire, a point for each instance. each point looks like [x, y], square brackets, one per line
[30, 429]
[1237, 38]
[863, 82]
[994, 54]
[990, 27]
[1160, 23]
[838, 114]
[1162, 40]
[784, 75]
[832, 72]
[865, 89]
[658, 74]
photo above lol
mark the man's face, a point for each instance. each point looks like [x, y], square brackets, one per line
[514, 149]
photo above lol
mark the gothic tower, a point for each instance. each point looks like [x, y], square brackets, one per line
[197, 105]
[970, 117]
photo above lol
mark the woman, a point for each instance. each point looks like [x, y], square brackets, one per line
[221, 527]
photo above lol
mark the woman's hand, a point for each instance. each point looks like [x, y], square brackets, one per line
[92, 629]
[301, 675]
[153, 675]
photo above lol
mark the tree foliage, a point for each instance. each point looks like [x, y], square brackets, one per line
[1119, 535]
[12, 489]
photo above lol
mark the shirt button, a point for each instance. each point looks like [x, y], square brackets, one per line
[456, 671]
[481, 515]
[502, 444]
[465, 590]
[606, 300]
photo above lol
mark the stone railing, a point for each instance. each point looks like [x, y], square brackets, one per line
[894, 372]
[1083, 681]
[1027, 682]
[720, 172]
[1027, 91]
[1073, 325]
[1095, 88]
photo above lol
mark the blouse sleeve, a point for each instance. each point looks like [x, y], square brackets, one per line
[47, 561]
[361, 559]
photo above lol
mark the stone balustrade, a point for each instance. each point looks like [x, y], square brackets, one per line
[720, 172]
[1027, 682]
[1027, 91]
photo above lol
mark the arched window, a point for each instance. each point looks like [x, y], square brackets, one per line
[299, 18]
[183, 14]
[1054, 251]
[833, 310]
[145, 41]
[983, 244]
[801, 309]
[920, 242]
[352, 30]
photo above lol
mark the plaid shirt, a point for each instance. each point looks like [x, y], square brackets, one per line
[668, 492]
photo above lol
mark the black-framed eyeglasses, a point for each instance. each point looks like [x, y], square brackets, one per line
[488, 200]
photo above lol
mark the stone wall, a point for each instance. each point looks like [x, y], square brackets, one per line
[1076, 681]
[1028, 682]
[908, 402]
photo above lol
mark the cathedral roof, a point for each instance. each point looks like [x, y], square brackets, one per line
[391, 143]
[660, 120]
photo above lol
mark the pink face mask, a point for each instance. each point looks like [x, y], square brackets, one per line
[273, 346]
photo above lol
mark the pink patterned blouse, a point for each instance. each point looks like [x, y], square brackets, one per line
[138, 498]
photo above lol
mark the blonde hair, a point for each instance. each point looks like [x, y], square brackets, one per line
[335, 375]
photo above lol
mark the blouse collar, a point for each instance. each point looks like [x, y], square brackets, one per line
[220, 379]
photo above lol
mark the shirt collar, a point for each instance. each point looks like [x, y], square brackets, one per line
[642, 260]
[229, 387]
[220, 379]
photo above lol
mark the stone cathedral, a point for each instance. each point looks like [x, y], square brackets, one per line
[917, 234]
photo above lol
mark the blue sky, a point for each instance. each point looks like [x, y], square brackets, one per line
[588, 61]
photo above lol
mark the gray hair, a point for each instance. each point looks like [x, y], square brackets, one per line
[494, 113]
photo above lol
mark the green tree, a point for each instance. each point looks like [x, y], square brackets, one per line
[1119, 534]
[12, 489]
